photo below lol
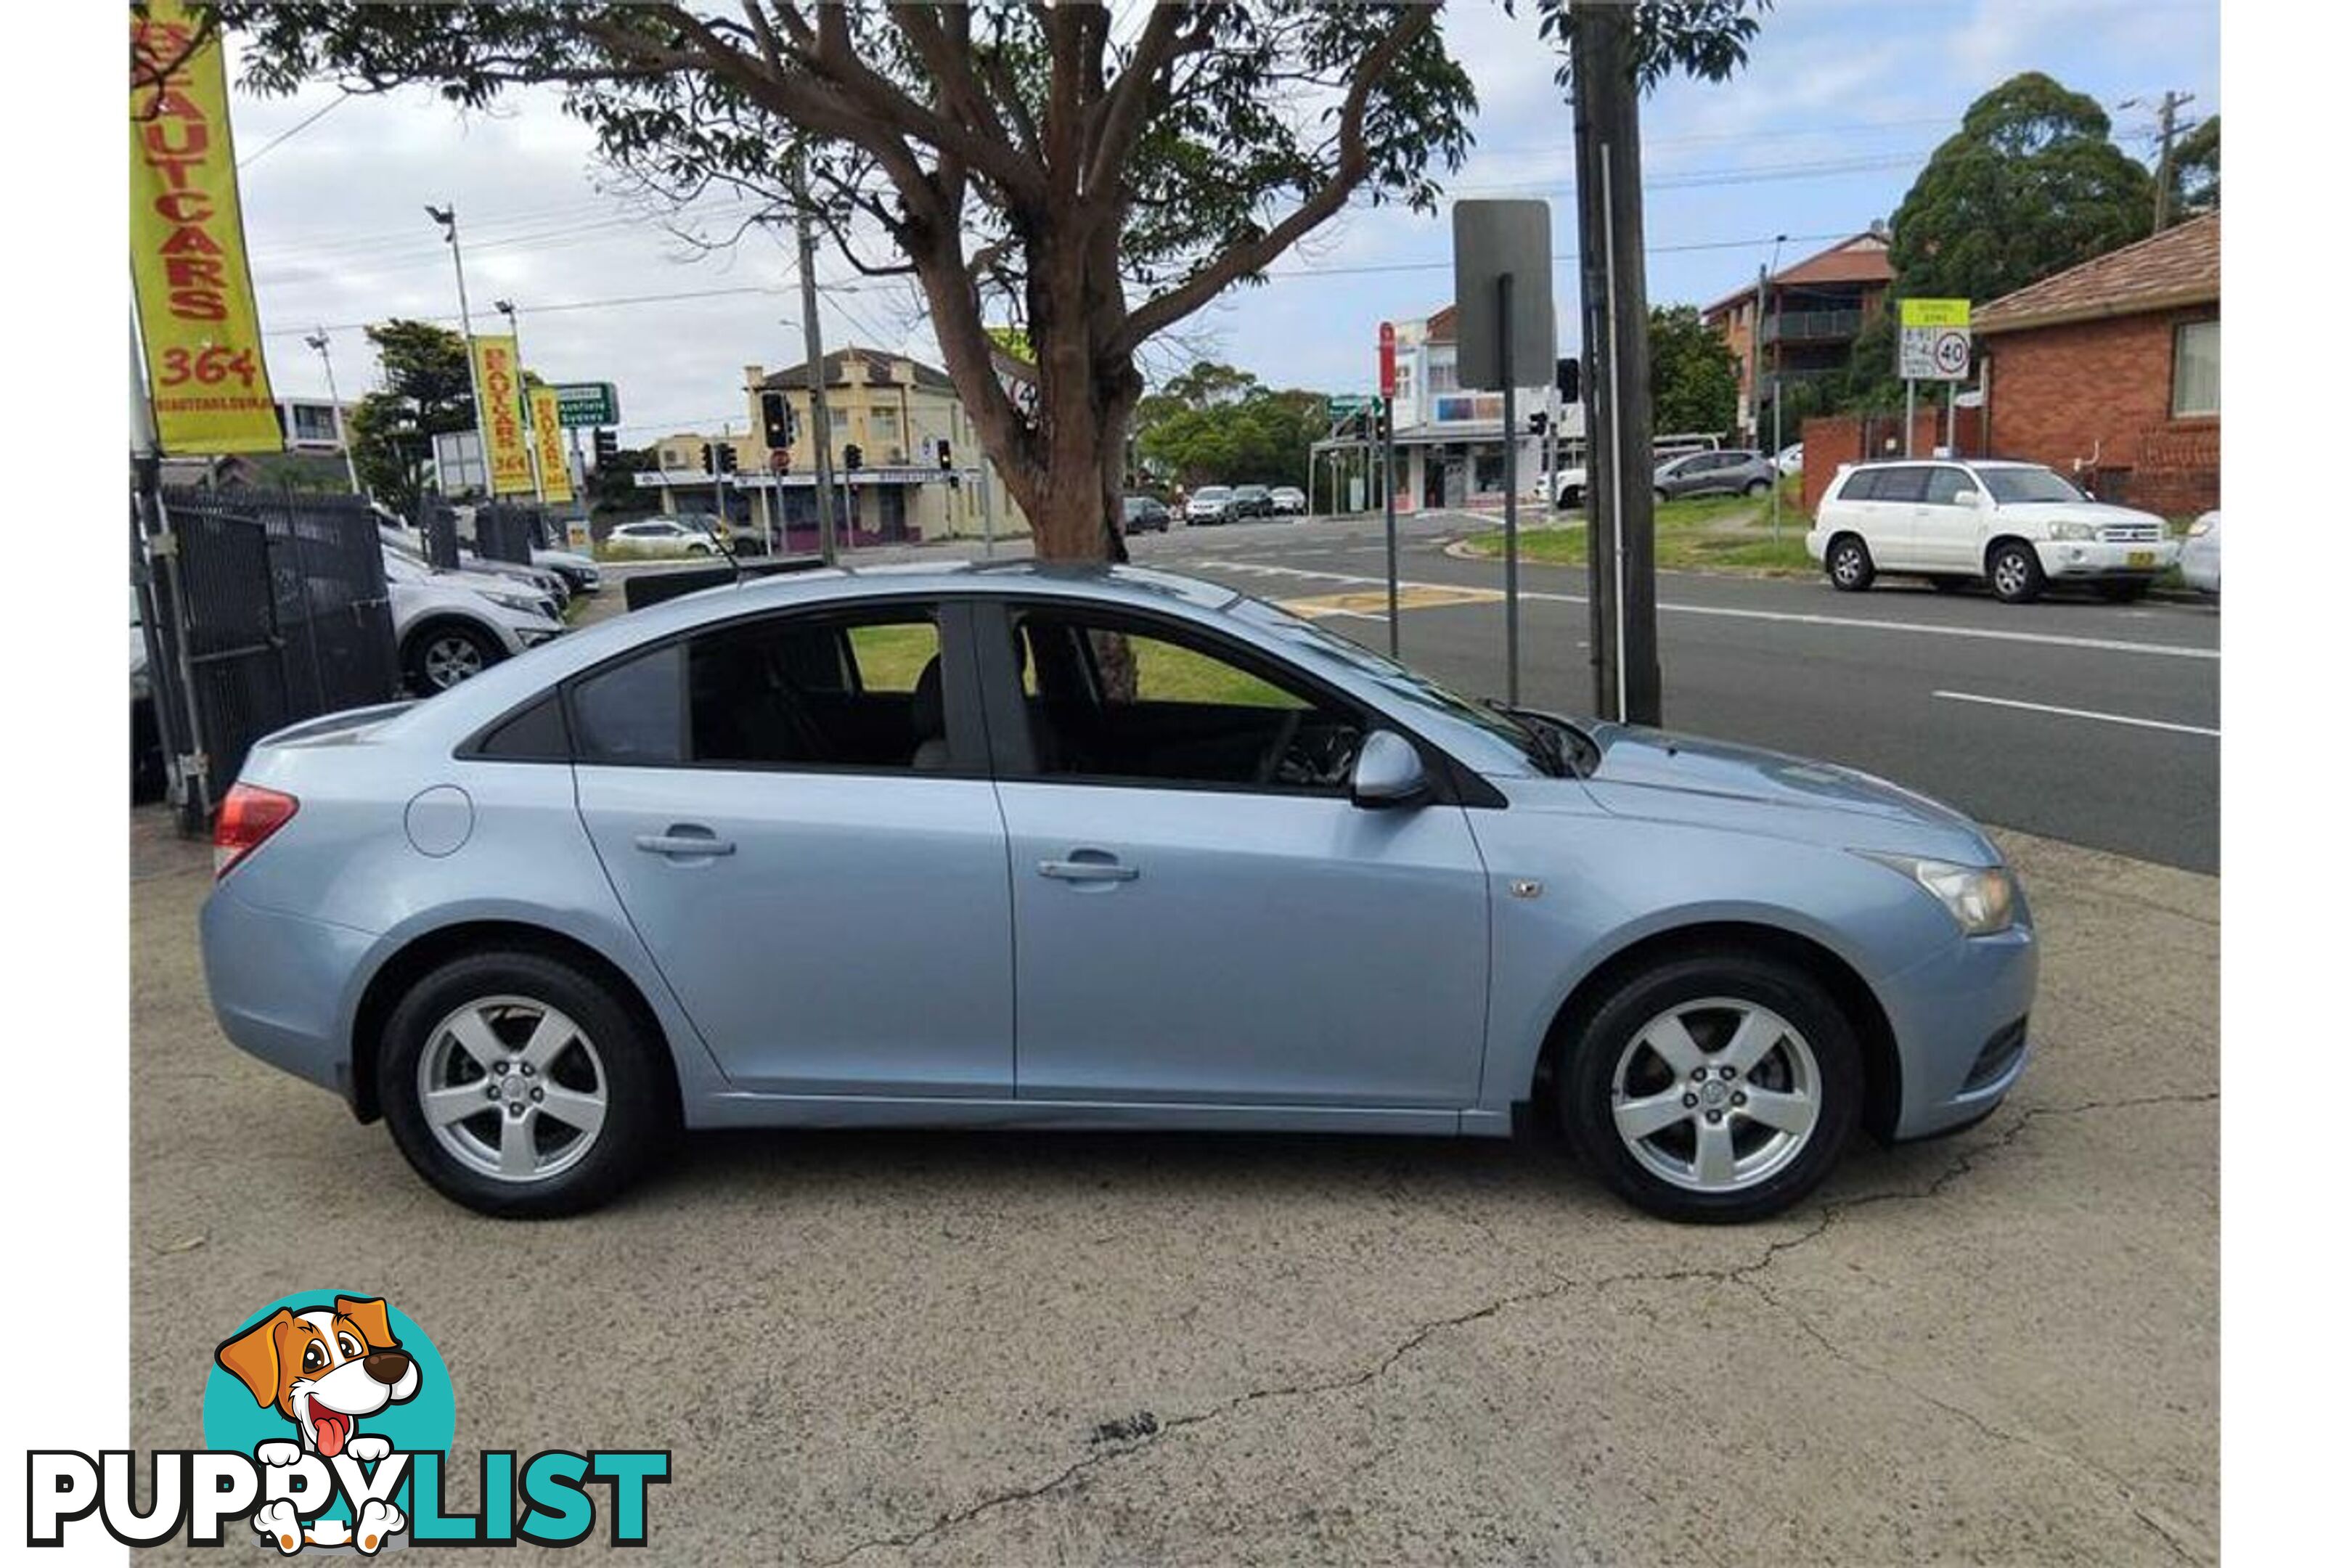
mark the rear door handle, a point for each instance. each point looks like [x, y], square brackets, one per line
[1078, 870]
[685, 839]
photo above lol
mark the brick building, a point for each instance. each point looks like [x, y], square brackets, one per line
[1810, 312]
[2111, 370]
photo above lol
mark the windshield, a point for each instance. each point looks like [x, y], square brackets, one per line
[1511, 738]
[1211, 492]
[2014, 487]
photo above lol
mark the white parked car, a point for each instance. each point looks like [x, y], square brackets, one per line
[452, 625]
[2200, 554]
[2019, 526]
[660, 536]
[1792, 460]
[1290, 501]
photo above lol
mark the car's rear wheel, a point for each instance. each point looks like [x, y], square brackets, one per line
[1850, 567]
[442, 653]
[1717, 1087]
[520, 1087]
[1660, 493]
[1756, 487]
[1569, 498]
[2016, 572]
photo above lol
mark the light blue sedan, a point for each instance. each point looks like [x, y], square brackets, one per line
[1024, 847]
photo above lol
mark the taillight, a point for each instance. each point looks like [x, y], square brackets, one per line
[248, 816]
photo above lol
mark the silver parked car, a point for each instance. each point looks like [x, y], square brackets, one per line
[1728, 473]
[740, 859]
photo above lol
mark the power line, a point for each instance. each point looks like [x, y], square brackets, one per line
[291, 132]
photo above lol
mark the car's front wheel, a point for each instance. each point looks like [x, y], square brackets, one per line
[2016, 572]
[1850, 567]
[442, 653]
[1756, 487]
[521, 1086]
[1716, 1087]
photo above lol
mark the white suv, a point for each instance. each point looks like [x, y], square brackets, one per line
[2018, 525]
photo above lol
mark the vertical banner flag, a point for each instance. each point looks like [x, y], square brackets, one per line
[205, 367]
[547, 436]
[497, 373]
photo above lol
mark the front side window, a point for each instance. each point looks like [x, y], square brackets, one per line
[1948, 486]
[860, 691]
[2196, 368]
[1115, 701]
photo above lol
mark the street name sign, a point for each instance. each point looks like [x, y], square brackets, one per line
[584, 404]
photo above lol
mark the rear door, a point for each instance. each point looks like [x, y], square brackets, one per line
[796, 811]
[1897, 495]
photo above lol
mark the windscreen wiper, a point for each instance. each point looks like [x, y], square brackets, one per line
[1539, 735]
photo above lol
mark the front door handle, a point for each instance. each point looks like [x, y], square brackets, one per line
[685, 839]
[1085, 866]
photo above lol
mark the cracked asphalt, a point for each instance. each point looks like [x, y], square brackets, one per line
[885, 1348]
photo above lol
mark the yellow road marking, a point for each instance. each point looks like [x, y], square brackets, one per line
[1374, 602]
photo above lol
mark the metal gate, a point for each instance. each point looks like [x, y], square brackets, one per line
[278, 612]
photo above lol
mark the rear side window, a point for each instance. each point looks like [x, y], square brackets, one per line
[1906, 483]
[634, 712]
[536, 734]
[1860, 485]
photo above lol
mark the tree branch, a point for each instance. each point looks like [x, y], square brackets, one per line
[1354, 163]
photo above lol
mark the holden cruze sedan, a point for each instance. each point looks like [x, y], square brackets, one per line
[1026, 847]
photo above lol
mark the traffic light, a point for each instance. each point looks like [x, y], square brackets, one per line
[1538, 422]
[853, 457]
[709, 463]
[608, 447]
[1570, 379]
[726, 454]
[776, 419]
[946, 454]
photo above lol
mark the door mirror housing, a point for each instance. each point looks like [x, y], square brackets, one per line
[1388, 772]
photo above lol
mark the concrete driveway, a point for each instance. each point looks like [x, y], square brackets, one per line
[878, 1347]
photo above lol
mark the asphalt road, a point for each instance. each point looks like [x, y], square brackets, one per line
[2082, 720]
[965, 1348]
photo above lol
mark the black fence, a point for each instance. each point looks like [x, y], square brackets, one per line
[277, 611]
[504, 531]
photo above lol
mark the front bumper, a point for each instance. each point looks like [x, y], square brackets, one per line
[1960, 1019]
[2098, 558]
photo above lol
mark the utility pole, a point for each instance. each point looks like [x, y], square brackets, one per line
[2167, 110]
[448, 218]
[318, 341]
[1613, 290]
[1763, 280]
[813, 341]
[514, 329]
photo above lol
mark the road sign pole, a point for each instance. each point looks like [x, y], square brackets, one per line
[1510, 492]
[1388, 508]
[1910, 411]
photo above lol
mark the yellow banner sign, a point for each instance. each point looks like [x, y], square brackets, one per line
[498, 381]
[547, 439]
[1933, 313]
[205, 367]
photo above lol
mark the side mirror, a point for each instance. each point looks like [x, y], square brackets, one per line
[1388, 772]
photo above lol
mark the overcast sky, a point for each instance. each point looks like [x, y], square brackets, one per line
[1841, 103]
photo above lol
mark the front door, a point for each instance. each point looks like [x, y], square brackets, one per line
[1203, 915]
[797, 815]
[1951, 528]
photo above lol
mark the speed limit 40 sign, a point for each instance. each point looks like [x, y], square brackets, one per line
[1933, 345]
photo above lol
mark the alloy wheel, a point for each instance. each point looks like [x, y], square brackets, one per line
[1845, 562]
[450, 660]
[512, 1089]
[2008, 574]
[1715, 1095]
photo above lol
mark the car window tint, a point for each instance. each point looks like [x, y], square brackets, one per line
[1114, 701]
[536, 734]
[861, 690]
[1860, 485]
[1946, 485]
[1904, 482]
[630, 713]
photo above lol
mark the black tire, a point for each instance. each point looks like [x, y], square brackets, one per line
[1585, 1082]
[425, 669]
[640, 1114]
[1848, 562]
[1660, 492]
[1570, 498]
[1756, 487]
[2015, 572]
[2127, 592]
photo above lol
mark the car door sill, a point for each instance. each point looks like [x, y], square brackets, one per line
[748, 1109]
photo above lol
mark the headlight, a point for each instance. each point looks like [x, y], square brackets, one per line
[2201, 527]
[526, 603]
[2074, 532]
[1982, 898]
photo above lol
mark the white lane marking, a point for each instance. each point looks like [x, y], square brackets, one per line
[1791, 617]
[2078, 713]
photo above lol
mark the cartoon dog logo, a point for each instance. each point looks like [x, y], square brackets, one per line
[324, 1369]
